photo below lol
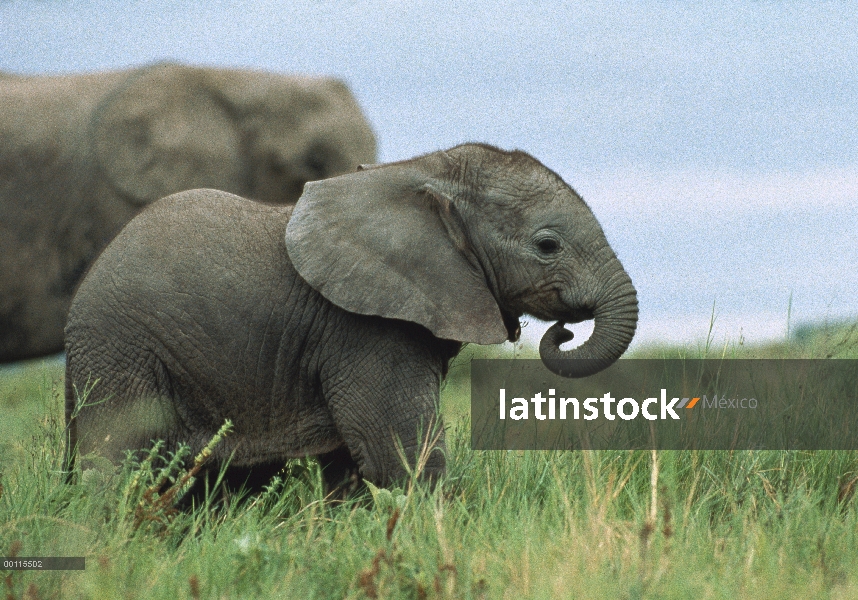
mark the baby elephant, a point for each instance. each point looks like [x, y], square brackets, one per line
[325, 329]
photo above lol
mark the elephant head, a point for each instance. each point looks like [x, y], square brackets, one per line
[464, 242]
[172, 127]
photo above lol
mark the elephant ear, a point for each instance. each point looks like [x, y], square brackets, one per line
[386, 241]
[167, 130]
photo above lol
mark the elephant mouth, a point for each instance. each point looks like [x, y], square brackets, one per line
[513, 326]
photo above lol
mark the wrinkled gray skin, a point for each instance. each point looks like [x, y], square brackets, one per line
[80, 155]
[333, 341]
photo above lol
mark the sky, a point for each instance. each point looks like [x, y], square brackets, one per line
[716, 143]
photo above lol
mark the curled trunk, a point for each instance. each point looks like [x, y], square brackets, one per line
[615, 322]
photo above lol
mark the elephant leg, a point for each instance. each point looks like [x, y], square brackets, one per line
[243, 481]
[386, 408]
[340, 474]
[251, 479]
[119, 402]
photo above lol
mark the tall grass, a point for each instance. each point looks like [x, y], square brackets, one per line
[599, 524]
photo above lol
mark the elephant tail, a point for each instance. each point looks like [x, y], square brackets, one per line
[70, 431]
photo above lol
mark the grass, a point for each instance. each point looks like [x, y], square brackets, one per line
[601, 524]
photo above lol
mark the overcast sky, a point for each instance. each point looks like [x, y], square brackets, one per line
[716, 143]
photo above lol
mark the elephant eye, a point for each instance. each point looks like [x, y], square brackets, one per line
[276, 166]
[317, 160]
[547, 246]
[316, 166]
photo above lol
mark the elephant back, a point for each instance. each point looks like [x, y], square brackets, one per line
[172, 127]
[164, 131]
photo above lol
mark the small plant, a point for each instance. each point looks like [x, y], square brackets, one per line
[156, 503]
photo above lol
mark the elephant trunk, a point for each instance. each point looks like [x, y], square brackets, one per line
[615, 315]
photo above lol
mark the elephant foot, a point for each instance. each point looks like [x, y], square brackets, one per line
[340, 475]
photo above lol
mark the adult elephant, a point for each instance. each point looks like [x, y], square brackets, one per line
[80, 155]
[326, 330]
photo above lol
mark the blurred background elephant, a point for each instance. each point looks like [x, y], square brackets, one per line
[80, 155]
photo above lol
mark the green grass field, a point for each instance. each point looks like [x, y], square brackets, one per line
[600, 524]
